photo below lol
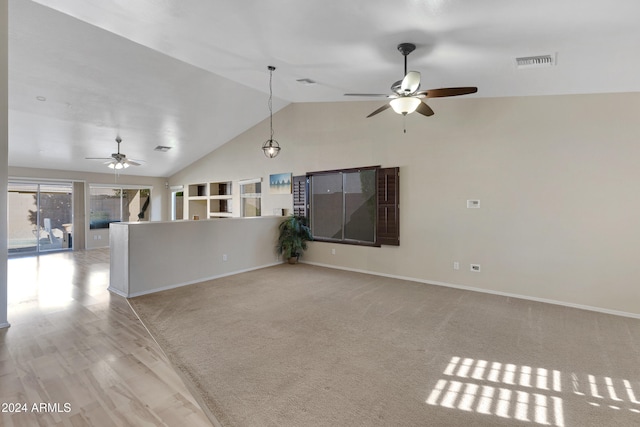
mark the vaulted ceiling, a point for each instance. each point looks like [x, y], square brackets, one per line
[192, 74]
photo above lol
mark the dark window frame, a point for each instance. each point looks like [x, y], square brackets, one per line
[387, 210]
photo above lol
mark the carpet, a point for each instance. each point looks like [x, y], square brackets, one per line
[301, 345]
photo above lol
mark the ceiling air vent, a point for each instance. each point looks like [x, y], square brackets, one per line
[306, 82]
[536, 61]
[162, 148]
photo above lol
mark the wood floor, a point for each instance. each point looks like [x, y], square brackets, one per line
[76, 355]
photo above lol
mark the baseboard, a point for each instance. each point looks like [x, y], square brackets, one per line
[193, 282]
[117, 291]
[484, 291]
[4, 325]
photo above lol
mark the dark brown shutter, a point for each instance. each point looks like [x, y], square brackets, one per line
[388, 200]
[300, 195]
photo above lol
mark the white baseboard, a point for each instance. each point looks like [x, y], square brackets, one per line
[192, 282]
[4, 325]
[484, 291]
[117, 291]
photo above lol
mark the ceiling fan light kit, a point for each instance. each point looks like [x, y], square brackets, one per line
[117, 165]
[117, 161]
[405, 105]
[271, 148]
[406, 96]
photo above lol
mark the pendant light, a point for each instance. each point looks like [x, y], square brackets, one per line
[271, 148]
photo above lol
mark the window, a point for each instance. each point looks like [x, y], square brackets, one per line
[357, 206]
[250, 196]
[177, 202]
[117, 204]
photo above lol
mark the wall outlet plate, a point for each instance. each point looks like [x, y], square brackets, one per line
[473, 204]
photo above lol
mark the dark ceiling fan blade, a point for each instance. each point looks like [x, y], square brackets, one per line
[380, 110]
[447, 91]
[424, 109]
[366, 94]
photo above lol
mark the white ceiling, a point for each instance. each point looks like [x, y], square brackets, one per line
[192, 74]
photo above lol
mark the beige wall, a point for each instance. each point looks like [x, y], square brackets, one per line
[557, 178]
[82, 180]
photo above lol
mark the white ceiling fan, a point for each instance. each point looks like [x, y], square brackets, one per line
[117, 160]
[406, 97]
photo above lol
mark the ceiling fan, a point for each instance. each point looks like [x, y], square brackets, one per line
[117, 160]
[406, 97]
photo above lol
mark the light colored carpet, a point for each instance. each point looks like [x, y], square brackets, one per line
[300, 345]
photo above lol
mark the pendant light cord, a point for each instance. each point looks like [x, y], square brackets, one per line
[271, 68]
[271, 148]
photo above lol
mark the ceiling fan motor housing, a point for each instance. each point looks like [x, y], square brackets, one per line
[406, 48]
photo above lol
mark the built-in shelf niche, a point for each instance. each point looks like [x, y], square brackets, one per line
[210, 200]
[197, 190]
[220, 189]
[220, 199]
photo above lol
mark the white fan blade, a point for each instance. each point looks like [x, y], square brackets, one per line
[133, 162]
[366, 94]
[410, 83]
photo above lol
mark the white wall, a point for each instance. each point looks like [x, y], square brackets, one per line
[159, 195]
[149, 257]
[557, 178]
[4, 144]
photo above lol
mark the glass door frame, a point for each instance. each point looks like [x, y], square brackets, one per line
[38, 184]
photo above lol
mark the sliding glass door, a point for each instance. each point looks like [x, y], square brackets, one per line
[40, 217]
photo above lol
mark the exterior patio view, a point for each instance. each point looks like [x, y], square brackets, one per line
[41, 214]
[40, 217]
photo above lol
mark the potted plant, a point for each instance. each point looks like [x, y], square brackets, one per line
[293, 237]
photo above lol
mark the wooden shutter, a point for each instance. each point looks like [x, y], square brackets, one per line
[300, 196]
[388, 202]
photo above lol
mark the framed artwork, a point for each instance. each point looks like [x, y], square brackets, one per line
[280, 183]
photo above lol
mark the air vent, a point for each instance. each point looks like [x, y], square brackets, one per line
[306, 82]
[536, 61]
[162, 148]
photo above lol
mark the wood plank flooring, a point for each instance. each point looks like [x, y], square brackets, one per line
[79, 353]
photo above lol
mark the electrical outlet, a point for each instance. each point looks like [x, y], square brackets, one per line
[224, 257]
[333, 251]
[475, 267]
[456, 265]
[99, 236]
